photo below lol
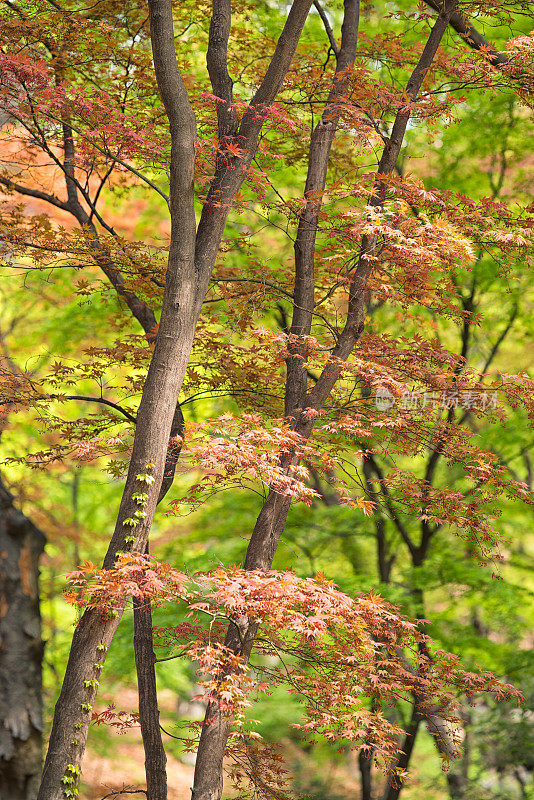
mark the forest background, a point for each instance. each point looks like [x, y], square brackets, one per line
[414, 483]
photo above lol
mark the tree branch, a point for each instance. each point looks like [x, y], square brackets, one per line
[232, 170]
[283, 55]
[117, 160]
[161, 389]
[100, 400]
[471, 36]
[329, 32]
[39, 195]
[320, 148]
[368, 458]
[394, 788]
[217, 62]
[502, 336]
[356, 306]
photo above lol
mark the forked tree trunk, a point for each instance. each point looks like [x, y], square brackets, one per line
[192, 256]
[270, 524]
[21, 653]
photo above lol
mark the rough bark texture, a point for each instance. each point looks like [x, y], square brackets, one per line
[155, 758]
[21, 652]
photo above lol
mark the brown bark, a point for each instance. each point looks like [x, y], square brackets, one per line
[365, 776]
[154, 418]
[155, 758]
[217, 64]
[208, 780]
[472, 37]
[272, 517]
[319, 155]
[21, 652]
[443, 737]
[385, 558]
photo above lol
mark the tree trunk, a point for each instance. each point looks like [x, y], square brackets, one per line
[179, 315]
[21, 653]
[192, 256]
[458, 775]
[365, 765]
[395, 787]
[155, 758]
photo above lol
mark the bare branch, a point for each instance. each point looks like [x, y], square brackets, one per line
[471, 36]
[95, 400]
[329, 32]
[120, 792]
[39, 195]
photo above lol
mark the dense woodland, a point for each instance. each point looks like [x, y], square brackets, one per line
[267, 391]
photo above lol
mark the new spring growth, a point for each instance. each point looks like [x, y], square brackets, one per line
[145, 477]
[70, 779]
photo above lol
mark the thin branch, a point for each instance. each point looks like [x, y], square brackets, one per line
[217, 62]
[95, 400]
[253, 280]
[39, 195]
[72, 205]
[501, 338]
[389, 503]
[471, 36]
[329, 32]
[117, 160]
[494, 350]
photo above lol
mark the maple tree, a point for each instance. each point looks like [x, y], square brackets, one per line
[303, 394]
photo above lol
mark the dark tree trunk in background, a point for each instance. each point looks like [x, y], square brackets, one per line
[365, 765]
[21, 653]
[394, 788]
